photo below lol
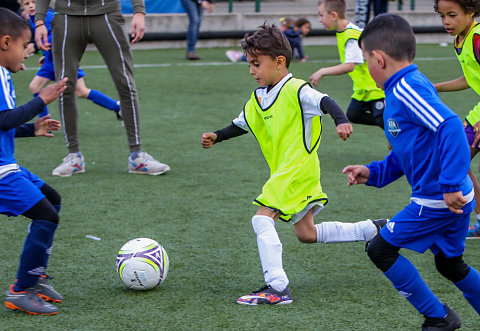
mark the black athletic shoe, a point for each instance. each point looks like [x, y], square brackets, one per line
[450, 322]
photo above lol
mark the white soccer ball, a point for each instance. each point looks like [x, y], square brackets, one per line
[142, 264]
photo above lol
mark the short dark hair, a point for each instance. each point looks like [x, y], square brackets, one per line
[391, 34]
[301, 22]
[268, 40]
[338, 6]
[11, 24]
[468, 6]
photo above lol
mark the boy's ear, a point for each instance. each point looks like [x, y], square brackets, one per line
[4, 42]
[281, 61]
[379, 58]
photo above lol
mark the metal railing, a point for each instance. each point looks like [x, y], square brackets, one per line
[257, 6]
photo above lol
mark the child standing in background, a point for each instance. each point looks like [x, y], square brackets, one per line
[294, 30]
[368, 101]
[457, 18]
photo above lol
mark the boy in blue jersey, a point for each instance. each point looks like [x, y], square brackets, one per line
[46, 74]
[22, 192]
[431, 150]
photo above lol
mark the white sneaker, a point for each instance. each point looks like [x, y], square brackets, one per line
[234, 56]
[72, 164]
[146, 164]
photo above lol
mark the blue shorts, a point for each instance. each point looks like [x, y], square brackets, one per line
[47, 71]
[19, 192]
[420, 228]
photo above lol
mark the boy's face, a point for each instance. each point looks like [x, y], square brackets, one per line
[265, 70]
[375, 70]
[453, 17]
[305, 29]
[13, 52]
[29, 7]
[326, 18]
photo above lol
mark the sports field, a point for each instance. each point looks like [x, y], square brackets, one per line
[201, 210]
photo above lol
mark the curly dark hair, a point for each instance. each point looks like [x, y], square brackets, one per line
[468, 6]
[268, 40]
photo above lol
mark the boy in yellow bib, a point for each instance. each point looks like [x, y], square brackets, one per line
[368, 101]
[284, 114]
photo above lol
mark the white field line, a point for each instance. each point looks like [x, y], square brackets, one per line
[226, 63]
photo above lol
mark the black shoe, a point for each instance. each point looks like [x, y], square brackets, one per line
[379, 224]
[450, 322]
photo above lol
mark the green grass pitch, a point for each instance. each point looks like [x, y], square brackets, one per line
[201, 210]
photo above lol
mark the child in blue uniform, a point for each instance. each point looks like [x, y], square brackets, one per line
[431, 150]
[46, 73]
[22, 192]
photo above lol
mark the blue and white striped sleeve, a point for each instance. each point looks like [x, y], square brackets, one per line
[420, 105]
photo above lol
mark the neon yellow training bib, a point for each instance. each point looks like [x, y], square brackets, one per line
[294, 167]
[364, 87]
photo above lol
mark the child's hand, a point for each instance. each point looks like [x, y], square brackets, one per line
[455, 201]
[52, 92]
[208, 139]
[316, 76]
[356, 174]
[44, 125]
[344, 130]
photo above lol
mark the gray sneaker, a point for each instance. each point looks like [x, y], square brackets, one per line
[29, 302]
[46, 291]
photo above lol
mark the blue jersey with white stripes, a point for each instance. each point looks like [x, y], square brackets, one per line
[7, 101]
[428, 144]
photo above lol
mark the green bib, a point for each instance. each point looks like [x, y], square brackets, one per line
[471, 69]
[364, 87]
[294, 166]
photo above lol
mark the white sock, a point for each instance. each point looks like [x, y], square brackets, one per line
[337, 232]
[270, 250]
[478, 218]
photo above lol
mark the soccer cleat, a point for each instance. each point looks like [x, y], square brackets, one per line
[266, 295]
[379, 224]
[146, 164]
[28, 301]
[46, 291]
[449, 323]
[474, 231]
[72, 164]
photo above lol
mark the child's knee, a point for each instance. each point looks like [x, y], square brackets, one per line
[307, 237]
[381, 253]
[453, 269]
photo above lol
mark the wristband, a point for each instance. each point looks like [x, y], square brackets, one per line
[38, 25]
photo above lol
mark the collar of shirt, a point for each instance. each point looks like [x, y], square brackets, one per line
[392, 81]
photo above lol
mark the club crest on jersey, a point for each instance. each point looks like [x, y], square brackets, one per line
[393, 127]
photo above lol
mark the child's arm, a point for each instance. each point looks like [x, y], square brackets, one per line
[377, 173]
[339, 69]
[42, 127]
[343, 126]
[452, 85]
[211, 138]
[13, 118]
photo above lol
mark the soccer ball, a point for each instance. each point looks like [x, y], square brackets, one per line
[142, 264]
